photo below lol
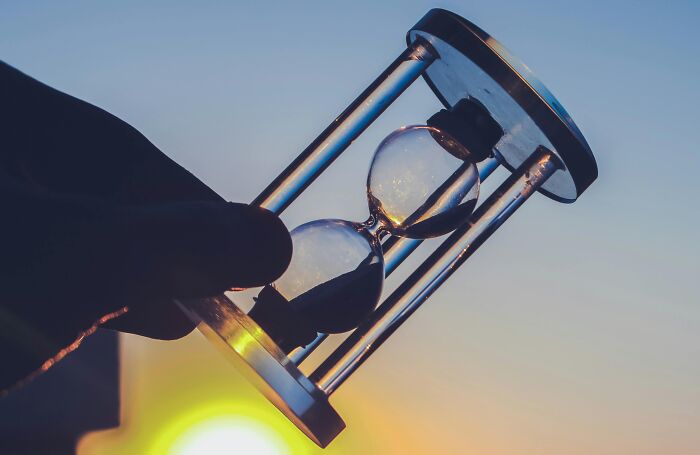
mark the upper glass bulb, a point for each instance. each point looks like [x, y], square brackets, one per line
[421, 183]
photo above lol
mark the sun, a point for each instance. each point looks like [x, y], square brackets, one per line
[228, 434]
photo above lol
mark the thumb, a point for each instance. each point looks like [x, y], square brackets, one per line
[196, 249]
[188, 250]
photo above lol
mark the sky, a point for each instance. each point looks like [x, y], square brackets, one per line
[575, 329]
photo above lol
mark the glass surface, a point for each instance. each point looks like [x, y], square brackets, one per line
[421, 184]
[522, 134]
[335, 276]
[415, 188]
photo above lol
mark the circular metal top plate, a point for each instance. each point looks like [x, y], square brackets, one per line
[264, 364]
[472, 63]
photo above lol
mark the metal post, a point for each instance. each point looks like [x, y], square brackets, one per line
[435, 270]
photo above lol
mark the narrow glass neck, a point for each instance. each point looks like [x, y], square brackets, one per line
[375, 227]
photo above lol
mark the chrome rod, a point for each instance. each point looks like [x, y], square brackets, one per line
[346, 127]
[437, 268]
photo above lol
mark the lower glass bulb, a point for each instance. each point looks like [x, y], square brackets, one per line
[332, 284]
[335, 276]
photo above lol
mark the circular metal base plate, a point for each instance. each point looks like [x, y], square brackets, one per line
[472, 63]
[264, 364]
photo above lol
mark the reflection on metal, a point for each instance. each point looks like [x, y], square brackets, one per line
[435, 270]
[346, 128]
[266, 366]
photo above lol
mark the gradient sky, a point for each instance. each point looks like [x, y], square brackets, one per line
[576, 328]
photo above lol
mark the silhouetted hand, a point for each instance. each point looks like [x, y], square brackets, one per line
[95, 218]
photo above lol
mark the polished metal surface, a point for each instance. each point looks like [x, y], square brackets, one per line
[262, 362]
[346, 128]
[437, 268]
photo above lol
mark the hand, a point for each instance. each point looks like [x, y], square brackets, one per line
[95, 218]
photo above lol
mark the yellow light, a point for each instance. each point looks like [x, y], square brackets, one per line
[174, 389]
[219, 428]
[226, 435]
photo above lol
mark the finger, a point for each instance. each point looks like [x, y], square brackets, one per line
[153, 318]
[78, 259]
[186, 250]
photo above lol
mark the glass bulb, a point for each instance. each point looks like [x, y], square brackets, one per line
[336, 274]
[421, 183]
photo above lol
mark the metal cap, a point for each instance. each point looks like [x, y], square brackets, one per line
[473, 64]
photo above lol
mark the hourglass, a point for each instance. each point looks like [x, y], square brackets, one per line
[423, 182]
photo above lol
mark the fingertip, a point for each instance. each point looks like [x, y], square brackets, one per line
[262, 247]
[275, 243]
[157, 318]
[198, 249]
